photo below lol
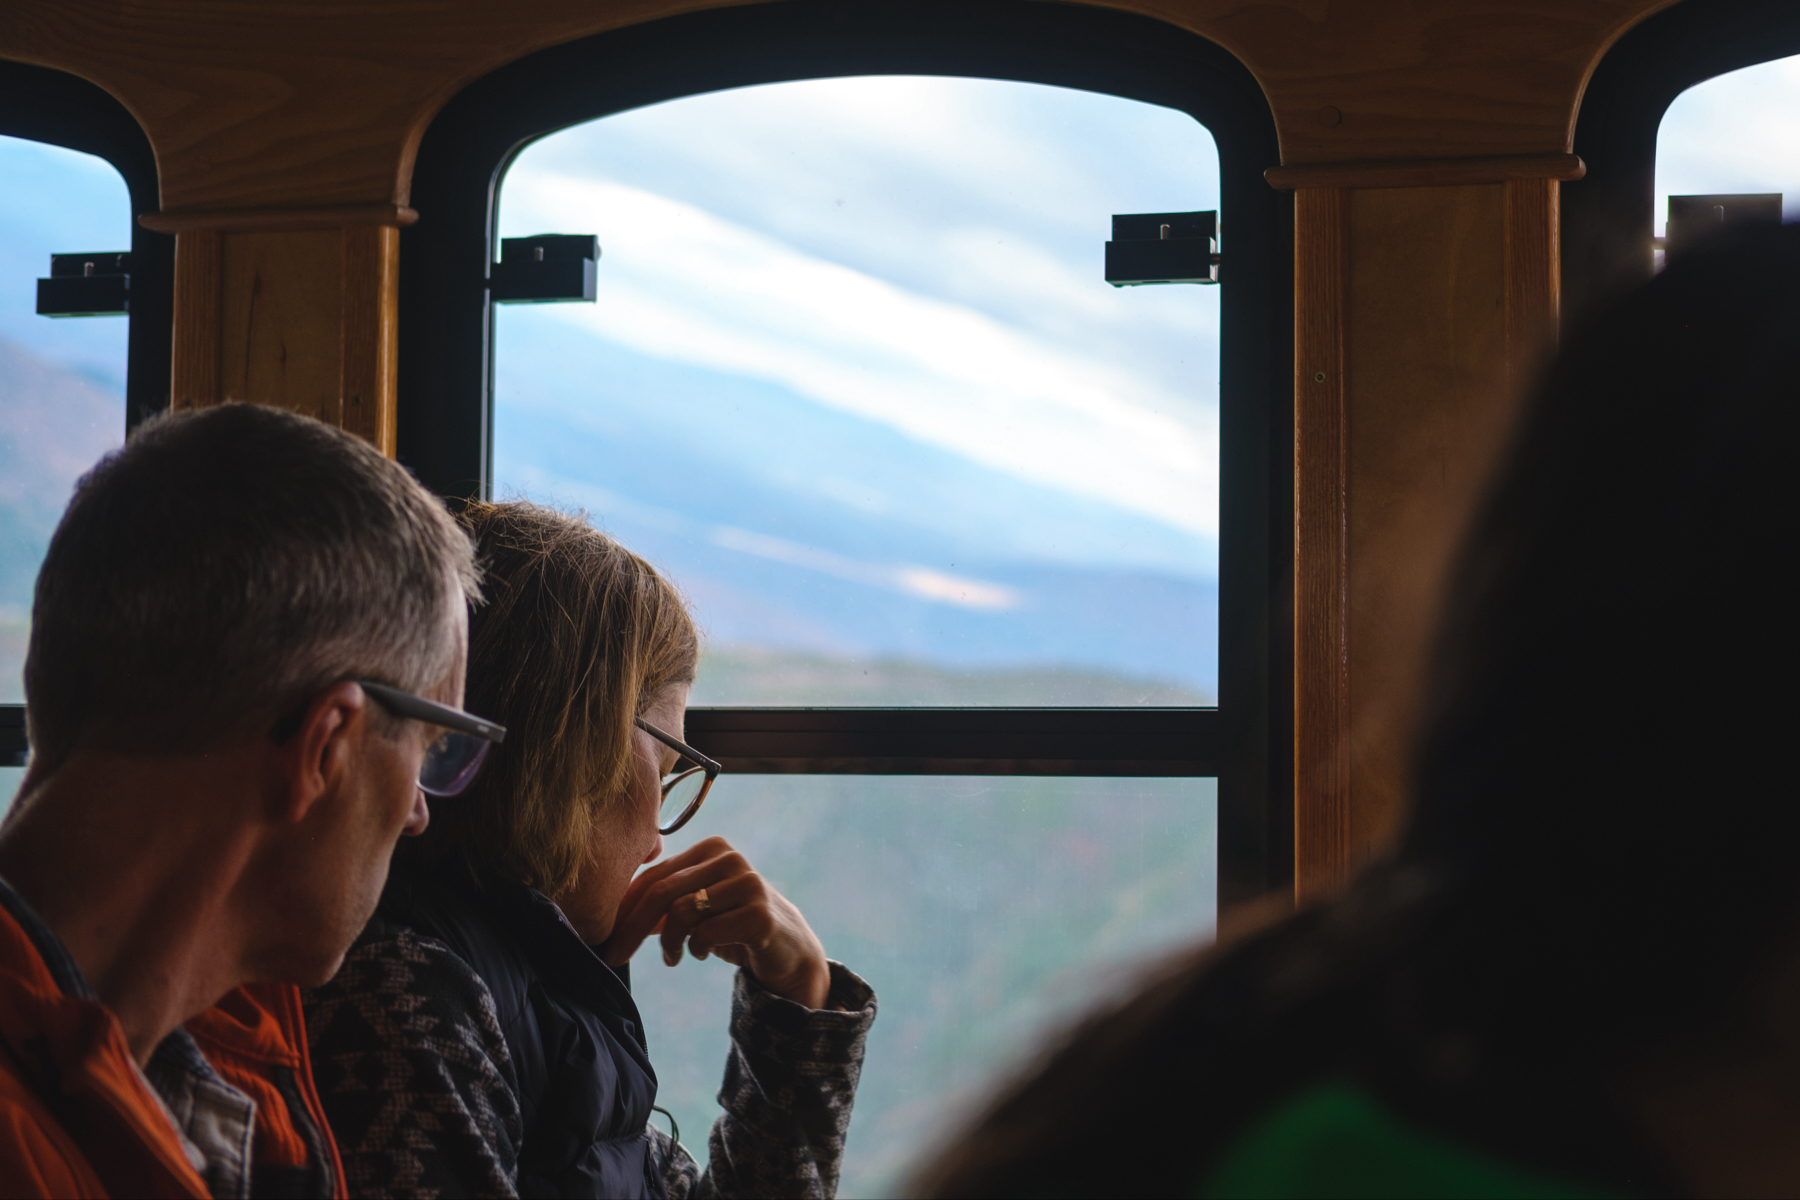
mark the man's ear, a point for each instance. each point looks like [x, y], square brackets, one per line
[316, 760]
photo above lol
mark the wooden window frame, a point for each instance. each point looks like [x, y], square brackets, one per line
[43, 105]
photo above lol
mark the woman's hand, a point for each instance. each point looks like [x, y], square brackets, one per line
[743, 920]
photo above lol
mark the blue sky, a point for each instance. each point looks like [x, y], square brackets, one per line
[58, 201]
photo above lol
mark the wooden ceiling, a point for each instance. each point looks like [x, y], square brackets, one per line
[298, 103]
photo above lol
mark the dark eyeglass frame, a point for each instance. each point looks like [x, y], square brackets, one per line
[405, 704]
[686, 751]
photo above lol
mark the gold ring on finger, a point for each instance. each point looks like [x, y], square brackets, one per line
[701, 903]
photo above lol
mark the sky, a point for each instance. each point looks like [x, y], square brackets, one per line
[59, 201]
[854, 378]
[919, 252]
[1735, 133]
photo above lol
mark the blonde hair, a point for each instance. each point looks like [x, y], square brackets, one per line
[577, 637]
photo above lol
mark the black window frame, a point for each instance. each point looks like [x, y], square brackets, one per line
[1609, 215]
[40, 104]
[446, 365]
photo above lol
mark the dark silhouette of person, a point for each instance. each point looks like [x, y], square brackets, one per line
[1578, 972]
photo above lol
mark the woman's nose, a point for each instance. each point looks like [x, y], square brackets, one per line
[656, 849]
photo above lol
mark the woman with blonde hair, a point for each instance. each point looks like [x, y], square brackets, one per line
[481, 1037]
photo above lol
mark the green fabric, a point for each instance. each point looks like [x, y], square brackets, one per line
[1335, 1140]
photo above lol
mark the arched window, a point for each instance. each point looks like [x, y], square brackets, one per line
[1043, 792]
[855, 379]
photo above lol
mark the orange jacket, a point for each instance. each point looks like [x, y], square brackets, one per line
[77, 1118]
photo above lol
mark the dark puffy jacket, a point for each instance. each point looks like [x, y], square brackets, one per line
[585, 1084]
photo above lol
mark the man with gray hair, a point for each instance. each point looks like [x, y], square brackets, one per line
[247, 646]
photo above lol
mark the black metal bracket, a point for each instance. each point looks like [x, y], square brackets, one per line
[1694, 218]
[86, 285]
[1163, 248]
[550, 268]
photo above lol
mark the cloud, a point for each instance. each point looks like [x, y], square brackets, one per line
[908, 579]
[904, 149]
[680, 283]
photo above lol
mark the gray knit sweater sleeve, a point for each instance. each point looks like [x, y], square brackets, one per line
[790, 1081]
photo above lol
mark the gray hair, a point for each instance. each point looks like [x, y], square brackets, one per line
[225, 565]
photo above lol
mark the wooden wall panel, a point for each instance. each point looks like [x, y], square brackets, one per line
[1533, 284]
[1443, 299]
[371, 274]
[1426, 397]
[299, 318]
[199, 297]
[1322, 802]
[280, 330]
[1400, 348]
[286, 102]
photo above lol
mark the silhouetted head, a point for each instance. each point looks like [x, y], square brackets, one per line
[1603, 859]
[1610, 719]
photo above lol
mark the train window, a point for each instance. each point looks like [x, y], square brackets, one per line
[985, 910]
[1733, 139]
[62, 382]
[854, 377]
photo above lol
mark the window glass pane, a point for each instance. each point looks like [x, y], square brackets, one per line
[855, 379]
[1732, 135]
[10, 778]
[984, 911]
[62, 382]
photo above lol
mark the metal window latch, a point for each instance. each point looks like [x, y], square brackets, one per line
[550, 268]
[86, 285]
[1693, 218]
[1163, 248]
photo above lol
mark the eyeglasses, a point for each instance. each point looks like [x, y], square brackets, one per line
[685, 791]
[451, 761]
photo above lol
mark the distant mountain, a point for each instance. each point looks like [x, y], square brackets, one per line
[815, 533]
[54, 424]
[733, 675]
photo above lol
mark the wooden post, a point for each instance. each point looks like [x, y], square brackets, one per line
[1424, 294]
[1322, 824]
[294, 308]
